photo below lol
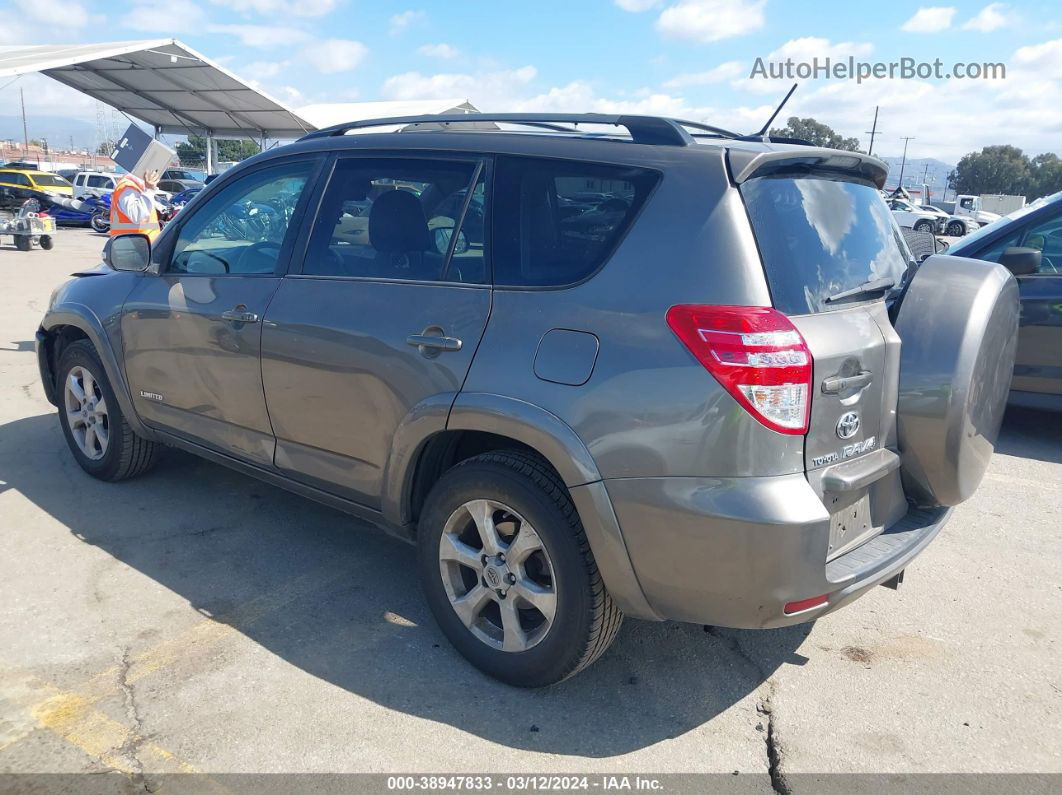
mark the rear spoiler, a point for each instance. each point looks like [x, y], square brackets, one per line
[746, 164]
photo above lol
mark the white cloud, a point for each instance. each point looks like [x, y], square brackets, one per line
[299, 8]
[439, 51]
[637, 5]
[335, 55]
[182, 16]
[65, 14]
[711, 20]
[262, 70]
[992, 17]
[262, 35]
[405, 20]
[1040, 60]
[932, 19]
[488, 89]
[719, 74]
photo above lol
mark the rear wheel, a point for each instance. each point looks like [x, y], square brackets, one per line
[23, 242]
[102, 441]
[47, 242]
[508, 572]
[100, 223]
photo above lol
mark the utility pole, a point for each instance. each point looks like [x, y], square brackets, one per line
[25, 135]
[903, 162]
[873, 131]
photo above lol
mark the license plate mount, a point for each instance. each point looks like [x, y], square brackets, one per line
[849, 526]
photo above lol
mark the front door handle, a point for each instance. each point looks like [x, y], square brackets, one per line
[429, 344]
[239, 315]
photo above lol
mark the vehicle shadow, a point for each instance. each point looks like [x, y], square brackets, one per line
[1031, 433]
[341, 601]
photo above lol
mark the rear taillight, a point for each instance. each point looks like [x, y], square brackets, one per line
[758, 356]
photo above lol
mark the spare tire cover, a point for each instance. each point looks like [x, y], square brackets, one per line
[958, 325]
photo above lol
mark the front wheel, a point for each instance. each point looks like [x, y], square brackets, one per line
[508, 572]
[102, 441]
[956, 229]
[924, 226]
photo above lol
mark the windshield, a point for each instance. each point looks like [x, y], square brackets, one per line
[179, 174]
[50, 180]
[820, 236]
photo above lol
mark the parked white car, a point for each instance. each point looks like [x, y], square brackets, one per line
[954, 225]
[910, 216]
[94, 183]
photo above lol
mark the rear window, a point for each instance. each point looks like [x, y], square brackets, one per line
[820, 236]
[50, 181]
[555, 222]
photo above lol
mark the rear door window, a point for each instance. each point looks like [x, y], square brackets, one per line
[820, 236]
[555, 222]
[410, 219]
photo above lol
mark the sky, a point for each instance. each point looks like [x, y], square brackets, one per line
[684, 58]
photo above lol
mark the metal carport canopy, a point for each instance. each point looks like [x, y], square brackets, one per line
[162, 82]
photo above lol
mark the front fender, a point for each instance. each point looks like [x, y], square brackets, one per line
[84, 319]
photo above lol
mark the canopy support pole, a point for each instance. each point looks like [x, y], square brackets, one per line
[210, 164]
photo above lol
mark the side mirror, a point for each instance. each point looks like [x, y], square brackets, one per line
[442, 236]
[128, 253]
[1021, 261]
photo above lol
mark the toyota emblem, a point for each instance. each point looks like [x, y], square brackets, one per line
[848, 425]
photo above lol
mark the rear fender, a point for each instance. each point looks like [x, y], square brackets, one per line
[555, 441]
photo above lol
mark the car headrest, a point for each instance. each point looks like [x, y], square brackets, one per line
[397, 223]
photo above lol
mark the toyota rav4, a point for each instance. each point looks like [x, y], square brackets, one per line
[593, 366]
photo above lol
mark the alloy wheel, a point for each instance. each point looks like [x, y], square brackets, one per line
[86, 413]
[498, 575]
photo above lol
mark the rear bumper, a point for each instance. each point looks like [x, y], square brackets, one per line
[734, 551]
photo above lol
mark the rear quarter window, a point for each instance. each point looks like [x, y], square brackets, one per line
[819, 236]
[555, 222]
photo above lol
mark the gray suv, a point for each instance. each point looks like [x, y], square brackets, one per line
[593, 366]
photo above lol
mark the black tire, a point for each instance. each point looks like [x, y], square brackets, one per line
[586, 620]
[47, 242]
[127, 454]
[924, 226]
[100, 223]
[23, 242]
[956, 229]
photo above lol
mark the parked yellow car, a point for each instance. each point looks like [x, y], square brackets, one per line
[35, 180]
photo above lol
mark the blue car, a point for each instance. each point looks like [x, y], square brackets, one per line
[1036, 228]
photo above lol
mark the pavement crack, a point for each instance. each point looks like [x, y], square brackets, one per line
[130, 749]
[774, 751]
[732, 644]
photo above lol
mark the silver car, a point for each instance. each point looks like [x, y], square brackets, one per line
[592, 366]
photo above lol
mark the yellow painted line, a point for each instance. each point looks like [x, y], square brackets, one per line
[73, 715]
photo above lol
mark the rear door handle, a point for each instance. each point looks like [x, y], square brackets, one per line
[433, 343]
[842, 383]
[239, 315]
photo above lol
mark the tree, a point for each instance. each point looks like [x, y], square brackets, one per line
[815, 132]
[194, 150]
[1046, 175]
[105, 148]
[995, 169]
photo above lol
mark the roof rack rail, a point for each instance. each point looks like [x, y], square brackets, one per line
[643, 129]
